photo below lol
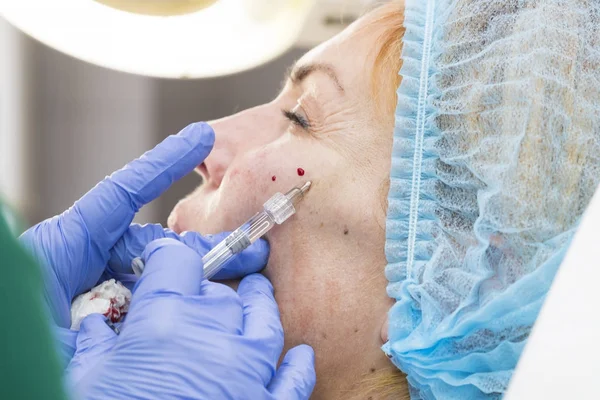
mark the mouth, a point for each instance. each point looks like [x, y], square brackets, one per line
[173, 224]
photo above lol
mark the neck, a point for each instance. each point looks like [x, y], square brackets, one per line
[330, 287]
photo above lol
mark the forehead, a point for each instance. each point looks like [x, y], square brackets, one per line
[351, 53]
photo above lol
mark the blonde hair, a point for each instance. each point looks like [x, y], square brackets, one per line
[388, 18]
[385, 384]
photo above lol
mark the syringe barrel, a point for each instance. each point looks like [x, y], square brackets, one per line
[216, 258]
[280, 207]
[236, 242]
[276, 211]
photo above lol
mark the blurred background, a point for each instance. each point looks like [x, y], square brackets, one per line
[66, 124]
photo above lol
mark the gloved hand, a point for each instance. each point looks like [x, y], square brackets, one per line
[75, 247]
[93, 342]
[134, 241]
[186, 337]
[132, 244]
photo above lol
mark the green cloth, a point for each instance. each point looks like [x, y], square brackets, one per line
[15, 224]
[29, 367]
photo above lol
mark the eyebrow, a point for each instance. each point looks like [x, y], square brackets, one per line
[299, 73]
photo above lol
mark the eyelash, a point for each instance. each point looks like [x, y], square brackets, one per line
[296, 119]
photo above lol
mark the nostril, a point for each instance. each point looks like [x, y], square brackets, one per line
[203, 171]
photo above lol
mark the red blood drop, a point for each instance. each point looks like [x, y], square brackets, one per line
[114, 313]
[300, 172]
[273, 178]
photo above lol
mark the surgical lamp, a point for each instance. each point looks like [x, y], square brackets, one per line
[164, 38]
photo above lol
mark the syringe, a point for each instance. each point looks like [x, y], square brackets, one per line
[275, 211]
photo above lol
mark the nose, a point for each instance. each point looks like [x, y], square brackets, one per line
[214, 166]
[224, 150]
[234, 136]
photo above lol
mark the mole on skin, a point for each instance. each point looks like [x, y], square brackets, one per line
[273, 178]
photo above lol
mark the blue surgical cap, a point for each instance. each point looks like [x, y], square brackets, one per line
[495, 157]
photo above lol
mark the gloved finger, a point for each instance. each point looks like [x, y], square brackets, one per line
[67, 343]
[223, 307]
[94, 331]
[128, 280]
[136, 238]
[261, 320]
[108, 209]
[171, 267]
[132, 244]
[251, 260]
[296, 376]
[94, 341]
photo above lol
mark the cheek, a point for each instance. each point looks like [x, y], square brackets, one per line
[253, 168]
[266, 171]
[251, 179]
[248, 178]
[246, 186]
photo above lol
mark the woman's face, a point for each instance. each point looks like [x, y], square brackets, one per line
[323, 127]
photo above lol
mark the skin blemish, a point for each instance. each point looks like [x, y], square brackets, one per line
[273, 178]
[346, 231]
[355, 330]
[300, 172]
[372, 370]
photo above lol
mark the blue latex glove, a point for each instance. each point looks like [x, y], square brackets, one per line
[189, 338]
[93, 342]
[132, 244]
[75, 247]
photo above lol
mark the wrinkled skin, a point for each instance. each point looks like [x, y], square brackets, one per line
[327, 261]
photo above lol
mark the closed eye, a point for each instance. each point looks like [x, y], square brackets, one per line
[296, 119]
